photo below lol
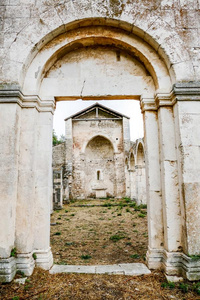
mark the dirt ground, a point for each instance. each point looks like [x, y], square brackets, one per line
[99, 232]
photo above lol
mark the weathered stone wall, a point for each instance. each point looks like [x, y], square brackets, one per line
[135, 174]
[86, 162]
[172, 24]
[59, 154]
[163, 36]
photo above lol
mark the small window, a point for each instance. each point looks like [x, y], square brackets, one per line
[98, 175]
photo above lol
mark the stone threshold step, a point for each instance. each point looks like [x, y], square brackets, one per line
[135, 269]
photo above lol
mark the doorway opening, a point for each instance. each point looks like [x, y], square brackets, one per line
[99, 228]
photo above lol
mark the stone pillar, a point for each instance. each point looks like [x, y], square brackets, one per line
[133, 183]
[26, 191]
[153, 184]
[169, 176]
[68, 158]
[10, 118]
[43, 190]
[186, 97]
[120, 174]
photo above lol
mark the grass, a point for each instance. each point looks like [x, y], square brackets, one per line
[116, 237]
[87, 256]
[87, 227]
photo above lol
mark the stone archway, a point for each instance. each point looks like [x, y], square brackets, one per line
[100, 168]
[172, 225]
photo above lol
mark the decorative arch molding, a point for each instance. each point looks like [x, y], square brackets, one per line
[174, 55]
[102, 136]
[90, 36]
[140, 144]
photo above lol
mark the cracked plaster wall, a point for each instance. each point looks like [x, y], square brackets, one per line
[28, 25]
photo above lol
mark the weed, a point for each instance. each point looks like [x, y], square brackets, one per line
[59, 218]
[183, 287]
[21, 273]
[107, 204]
[13, 252]
[34, 256]
[72, 215]
[143, 206]
[116, 237]
[27, 281]
[127, 200]
[66, 211]
[57, 233]
[168, 284]
[128, 243]
[194, 257]
[134, 256]
[133, 204]
[87, 256]
[196, 288]
[141, 215]
[15, 298]
[119, 214]
[61, 263]
[69, 244]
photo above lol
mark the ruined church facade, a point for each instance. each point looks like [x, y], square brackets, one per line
[91, 163]
[67, 50]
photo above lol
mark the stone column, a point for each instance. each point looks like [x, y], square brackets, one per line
[10, 118]
[169, 176]
[187, 118]
[68, 158]
[43, 190]
[133, 183]
[153, 184]
[26, 191]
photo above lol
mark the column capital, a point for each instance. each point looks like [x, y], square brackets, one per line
[147, 104]
[186, 91]
[26, 101]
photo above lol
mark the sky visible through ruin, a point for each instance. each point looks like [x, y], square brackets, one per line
[130, 108]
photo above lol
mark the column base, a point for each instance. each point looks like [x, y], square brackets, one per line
[176, 265]
[44, 258]
[25, 263]
[7, 269]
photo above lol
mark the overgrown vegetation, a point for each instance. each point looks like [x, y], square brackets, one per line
[56, 140]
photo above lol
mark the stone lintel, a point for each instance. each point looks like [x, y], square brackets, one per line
[26, 101]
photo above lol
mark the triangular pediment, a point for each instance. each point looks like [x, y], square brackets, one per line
[97, 111]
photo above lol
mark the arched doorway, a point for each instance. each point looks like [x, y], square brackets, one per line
[100, 168]
[140, 174]
[31, 144]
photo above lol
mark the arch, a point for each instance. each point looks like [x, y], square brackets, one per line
[98, 135]
[95, 147]
[126, 163]
[171, 56]
[140, 154]
[59, 46]
[132, 162]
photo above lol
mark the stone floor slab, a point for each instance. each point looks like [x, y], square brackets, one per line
[125, 269]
